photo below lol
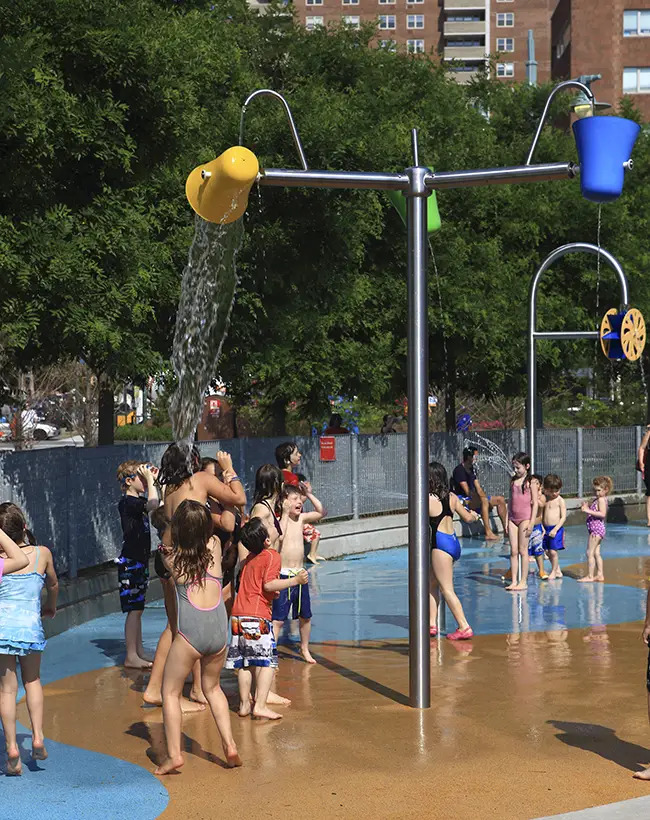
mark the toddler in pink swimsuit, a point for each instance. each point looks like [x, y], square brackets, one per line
[596, 517]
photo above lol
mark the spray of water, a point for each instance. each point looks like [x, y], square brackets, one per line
[445, 353]
[207, 296]
[489, 452]
[597, 342]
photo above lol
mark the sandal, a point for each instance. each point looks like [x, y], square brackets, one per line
[461, 634]
[433, 631]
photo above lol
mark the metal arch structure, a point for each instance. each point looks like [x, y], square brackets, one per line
[534, 334]
[417, 183]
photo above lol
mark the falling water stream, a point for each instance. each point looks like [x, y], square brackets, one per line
[494, 454]
[207, 296]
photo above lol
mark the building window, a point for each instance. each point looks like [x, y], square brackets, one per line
[353, 21]
[636, 23]
[504, 1]
[312, 22]
[506, 20]
[505, 69]
[636, 80]
[388, 45]
[464, 18]
[415, 21]
[415, 46]
[386, 21]
[386, 2]
[412, 2]
[505, 44]
[314, 2]
[350, 2]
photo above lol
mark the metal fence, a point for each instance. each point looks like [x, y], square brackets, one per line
[70, 494]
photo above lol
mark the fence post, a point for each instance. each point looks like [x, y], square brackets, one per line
[71, 500]
[637, 441]
[522, 440]
[354, 465]
[580, 471]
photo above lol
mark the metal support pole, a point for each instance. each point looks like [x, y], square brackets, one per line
[354, 474]
[531, 415]
[533, 333]
[418, 441]
[580, 470]
[637, 441]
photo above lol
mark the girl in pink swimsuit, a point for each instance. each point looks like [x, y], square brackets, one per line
[596, 517]
[522, 512]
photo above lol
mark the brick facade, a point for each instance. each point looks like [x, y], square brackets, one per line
[528, 14]
[587, 38]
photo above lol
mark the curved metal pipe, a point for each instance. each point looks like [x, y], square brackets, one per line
[558, 253]
[292, 125]
[566, 84]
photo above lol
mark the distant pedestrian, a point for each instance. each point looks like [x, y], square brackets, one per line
[335, 426]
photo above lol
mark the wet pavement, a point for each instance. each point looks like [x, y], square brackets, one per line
[543, 712]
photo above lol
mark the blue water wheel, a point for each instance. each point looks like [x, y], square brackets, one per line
[623, 334]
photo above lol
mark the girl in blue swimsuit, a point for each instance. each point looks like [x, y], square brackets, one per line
[194, 562]
[445, 550]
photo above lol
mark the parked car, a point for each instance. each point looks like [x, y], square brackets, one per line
[44, 431]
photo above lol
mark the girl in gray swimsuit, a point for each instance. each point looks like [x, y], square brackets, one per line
[206, 630]
[202, 630]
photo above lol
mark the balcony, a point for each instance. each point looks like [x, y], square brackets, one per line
[464, 53]
[464, 77]
[477, 27]
[452, 5]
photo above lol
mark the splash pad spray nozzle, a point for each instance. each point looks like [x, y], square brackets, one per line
[222, 197]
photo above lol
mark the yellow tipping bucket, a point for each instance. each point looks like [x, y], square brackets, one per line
[218, 191]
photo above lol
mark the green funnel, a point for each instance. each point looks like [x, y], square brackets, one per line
[398, 200]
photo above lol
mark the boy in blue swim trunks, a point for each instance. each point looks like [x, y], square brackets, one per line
[136, 479]
[554, 518]
[536, 540]
[294, 602]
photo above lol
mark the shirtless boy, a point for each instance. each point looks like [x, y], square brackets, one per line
[554, 518]
[292, 553]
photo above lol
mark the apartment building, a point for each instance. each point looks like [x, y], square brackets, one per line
[510, 22]
[608, 37]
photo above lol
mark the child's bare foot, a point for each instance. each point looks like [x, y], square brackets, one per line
[490, 536]
[320, 558]
[518, 587]
[170, 765]
[510, 587]
[306, 654]
[600, 579]
[136, 662]
[277, 700]
[190, 706]
[244, 709]
[197, 696]
[14, 765]
[233, 760]
[312, 559]
[39, 752]
[586, 580]
[145, 656]
[644, 775]
[265, 714]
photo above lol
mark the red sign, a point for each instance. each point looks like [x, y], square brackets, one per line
[328, 448]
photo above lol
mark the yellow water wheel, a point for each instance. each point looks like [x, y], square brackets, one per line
[622, 334]
[633, 334]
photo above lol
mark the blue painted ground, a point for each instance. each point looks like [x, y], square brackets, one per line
[363, 597]
[75, 783]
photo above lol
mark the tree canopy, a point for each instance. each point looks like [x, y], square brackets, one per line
[108, 105]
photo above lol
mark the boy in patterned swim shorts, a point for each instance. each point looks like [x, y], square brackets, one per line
[133, 563]
[253, 646]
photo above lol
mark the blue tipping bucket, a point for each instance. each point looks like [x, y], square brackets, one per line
[604, 144]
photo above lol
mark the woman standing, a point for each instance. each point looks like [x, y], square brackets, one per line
[642, 462]
[445, 550]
